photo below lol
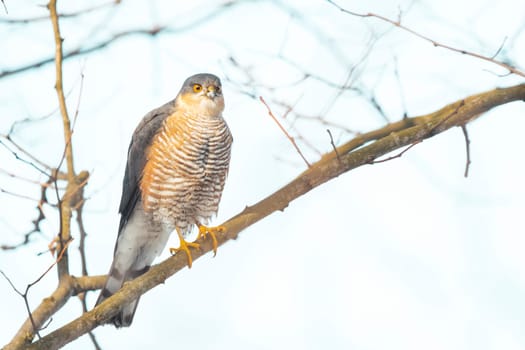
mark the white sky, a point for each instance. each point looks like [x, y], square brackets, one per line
[406, 254]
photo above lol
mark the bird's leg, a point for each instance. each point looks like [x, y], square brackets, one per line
[205, 230]
[183, 246]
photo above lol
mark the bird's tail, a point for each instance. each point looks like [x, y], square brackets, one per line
[116, 279]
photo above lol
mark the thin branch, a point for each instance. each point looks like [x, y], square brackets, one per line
[18, 195]
[82, 244]
[351, 155]
[398, 24]
[83, 51]
[499, 48]
[467, 145]
[60, 15]
[351, 77]
[36, 327]
[34, 162]
[94, 341]
[399, 155]
[400, 88]
[19, 177]
[41, 216]
[28, 120]
[60, 89]
[284, 131]
[25, 240]
[64, 207]
[11, 283]
[314, 118]
[333, 144]
[153, 31]
[69, 286]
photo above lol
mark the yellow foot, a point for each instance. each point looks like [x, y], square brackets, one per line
[183, 246]
[204, 230]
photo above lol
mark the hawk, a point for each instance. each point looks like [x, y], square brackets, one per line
[178, 160]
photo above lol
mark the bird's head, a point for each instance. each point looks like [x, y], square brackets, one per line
[201, 94]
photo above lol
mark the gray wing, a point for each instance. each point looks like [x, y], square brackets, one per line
[140, 142]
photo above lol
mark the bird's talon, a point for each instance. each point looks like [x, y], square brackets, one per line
[184, 246]
[204, 230]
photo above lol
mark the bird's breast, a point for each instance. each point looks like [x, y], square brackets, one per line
[185, 171]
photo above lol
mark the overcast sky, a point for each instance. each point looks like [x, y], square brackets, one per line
[406, 254]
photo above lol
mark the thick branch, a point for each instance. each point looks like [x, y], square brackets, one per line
[344, 158]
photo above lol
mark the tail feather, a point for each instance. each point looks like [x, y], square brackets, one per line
[115, 280]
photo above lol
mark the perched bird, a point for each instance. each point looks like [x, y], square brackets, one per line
[178, 160]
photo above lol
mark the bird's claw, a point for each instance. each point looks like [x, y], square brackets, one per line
[184, 246]
[212, 231]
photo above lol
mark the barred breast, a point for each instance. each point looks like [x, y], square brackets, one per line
[186, 169]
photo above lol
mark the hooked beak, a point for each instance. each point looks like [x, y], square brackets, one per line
[212, 91]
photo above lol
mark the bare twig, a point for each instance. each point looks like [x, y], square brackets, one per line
[333, 144]
[314, 118]
[24, 295]
[292, 140]
[18, 195]
[82, 244]
[82, 51]
[351, 77]
[5, 7]
[27, 120]
[400, 88]
[499, 48]
[153, 31]
[24, 241]
[398, 155]
[51, 182]
[67, 287]
[467, 145]
[398, 24]
[33, 162]
[60, 15]
[94, 340]
[19, 177]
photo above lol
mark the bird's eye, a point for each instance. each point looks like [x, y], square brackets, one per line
[218, 89]
[197, 87]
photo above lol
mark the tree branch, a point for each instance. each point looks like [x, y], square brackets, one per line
[467, 145]
[398, 24]
[61, 15]
[292, 140]
[356, 152]
[69, 286]
[153, 31]
[64, 206]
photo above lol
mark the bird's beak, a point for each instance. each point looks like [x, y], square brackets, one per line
[212, 91]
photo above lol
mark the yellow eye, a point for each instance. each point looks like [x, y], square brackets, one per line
[197, 87]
